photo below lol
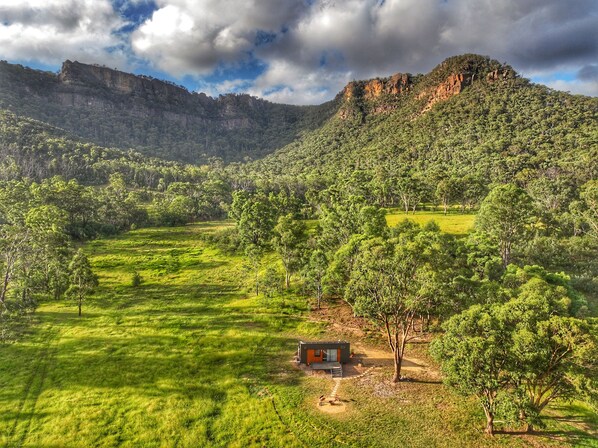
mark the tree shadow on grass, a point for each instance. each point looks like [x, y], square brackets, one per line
[576, 438]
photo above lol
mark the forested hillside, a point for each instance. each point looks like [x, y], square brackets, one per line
[35, 150]
[503, 311]
[470, 119]
[157, 118]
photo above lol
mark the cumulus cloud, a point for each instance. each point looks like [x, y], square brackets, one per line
[196, 36]
[309, 48]
[313, 47]
[50, 31]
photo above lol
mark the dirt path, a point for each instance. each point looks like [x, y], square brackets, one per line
[343, 324]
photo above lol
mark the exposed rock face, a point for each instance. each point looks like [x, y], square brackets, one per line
[394, 85]
[114, 108]
[453, 85]
[375, 92]
[369, 90]
[448, 79]
[500, 74]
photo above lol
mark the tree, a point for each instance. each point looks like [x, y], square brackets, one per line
[254, 216]
[506, 216]
[255, 221]
[589, 196]
[272, 282]
[474, 356]
[314, 273]
[528, 349]
[553, 354]
[82, 279]
[254, 258]
[394, 283]
[288, 238]
[446, 191]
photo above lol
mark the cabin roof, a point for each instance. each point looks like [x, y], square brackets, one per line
[335, 343]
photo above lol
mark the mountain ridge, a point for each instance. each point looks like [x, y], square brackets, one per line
[477, 92]
[114, 108]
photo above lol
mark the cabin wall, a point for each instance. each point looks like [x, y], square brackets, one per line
[307, 352]
[313, 356]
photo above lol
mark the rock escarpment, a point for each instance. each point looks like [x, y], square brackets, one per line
[114, 108]
[450, 78]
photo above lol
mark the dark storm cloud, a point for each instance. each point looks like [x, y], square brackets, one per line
[588, 73]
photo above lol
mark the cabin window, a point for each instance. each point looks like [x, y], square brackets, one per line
[317, 353]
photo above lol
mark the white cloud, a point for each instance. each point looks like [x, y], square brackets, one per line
[285, 82]
[51, 31]
[309, 48]
[589, 88]
[196, 36]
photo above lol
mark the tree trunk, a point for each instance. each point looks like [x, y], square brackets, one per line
[489, 422]
[319, 296]
[80, 307]
[287, 279]
[397, 360]
[5, 287]
[257, 282]
[527, 427]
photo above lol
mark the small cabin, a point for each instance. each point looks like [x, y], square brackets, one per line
[324, 352]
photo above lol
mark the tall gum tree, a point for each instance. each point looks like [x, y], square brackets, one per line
[395, 283]
[506, 216]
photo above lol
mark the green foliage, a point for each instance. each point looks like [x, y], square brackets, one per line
[506, 215]
[399, 282]
[136, 279]
[82, 280]
[272, 282]
[255, 217]
[528, 350]
[314, 273]
[474, 354]
[507, 131]
[288, 239]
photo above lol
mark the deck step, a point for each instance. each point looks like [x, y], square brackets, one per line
[337, 372]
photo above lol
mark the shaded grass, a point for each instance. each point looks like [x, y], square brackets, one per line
[188, 359]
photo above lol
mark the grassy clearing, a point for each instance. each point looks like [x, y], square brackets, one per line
[189, 360]
[454, 223]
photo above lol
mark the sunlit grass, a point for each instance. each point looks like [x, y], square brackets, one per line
[454, 223]
[191, 359]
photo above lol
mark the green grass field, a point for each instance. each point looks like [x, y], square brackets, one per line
[454, 223]
[189, 360]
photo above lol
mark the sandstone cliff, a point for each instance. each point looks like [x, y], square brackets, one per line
[114, 108]
[451, 77]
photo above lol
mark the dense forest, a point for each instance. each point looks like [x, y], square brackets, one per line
[512, 305]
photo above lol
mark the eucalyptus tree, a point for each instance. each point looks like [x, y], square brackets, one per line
[255, 218]
[397, 283]
[289, 234]
[506, 216]
[524, 352]
[474, 356]
[82, 280]
[314, 273]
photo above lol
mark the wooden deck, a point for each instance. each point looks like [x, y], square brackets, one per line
[325, 365]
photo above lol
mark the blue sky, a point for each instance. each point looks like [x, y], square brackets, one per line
[303, 51]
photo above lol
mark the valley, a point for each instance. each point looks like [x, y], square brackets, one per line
[191, 358]
[446, 224]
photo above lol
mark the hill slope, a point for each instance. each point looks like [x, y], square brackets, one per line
[113, 108]
[470, 116]
[35, 150]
